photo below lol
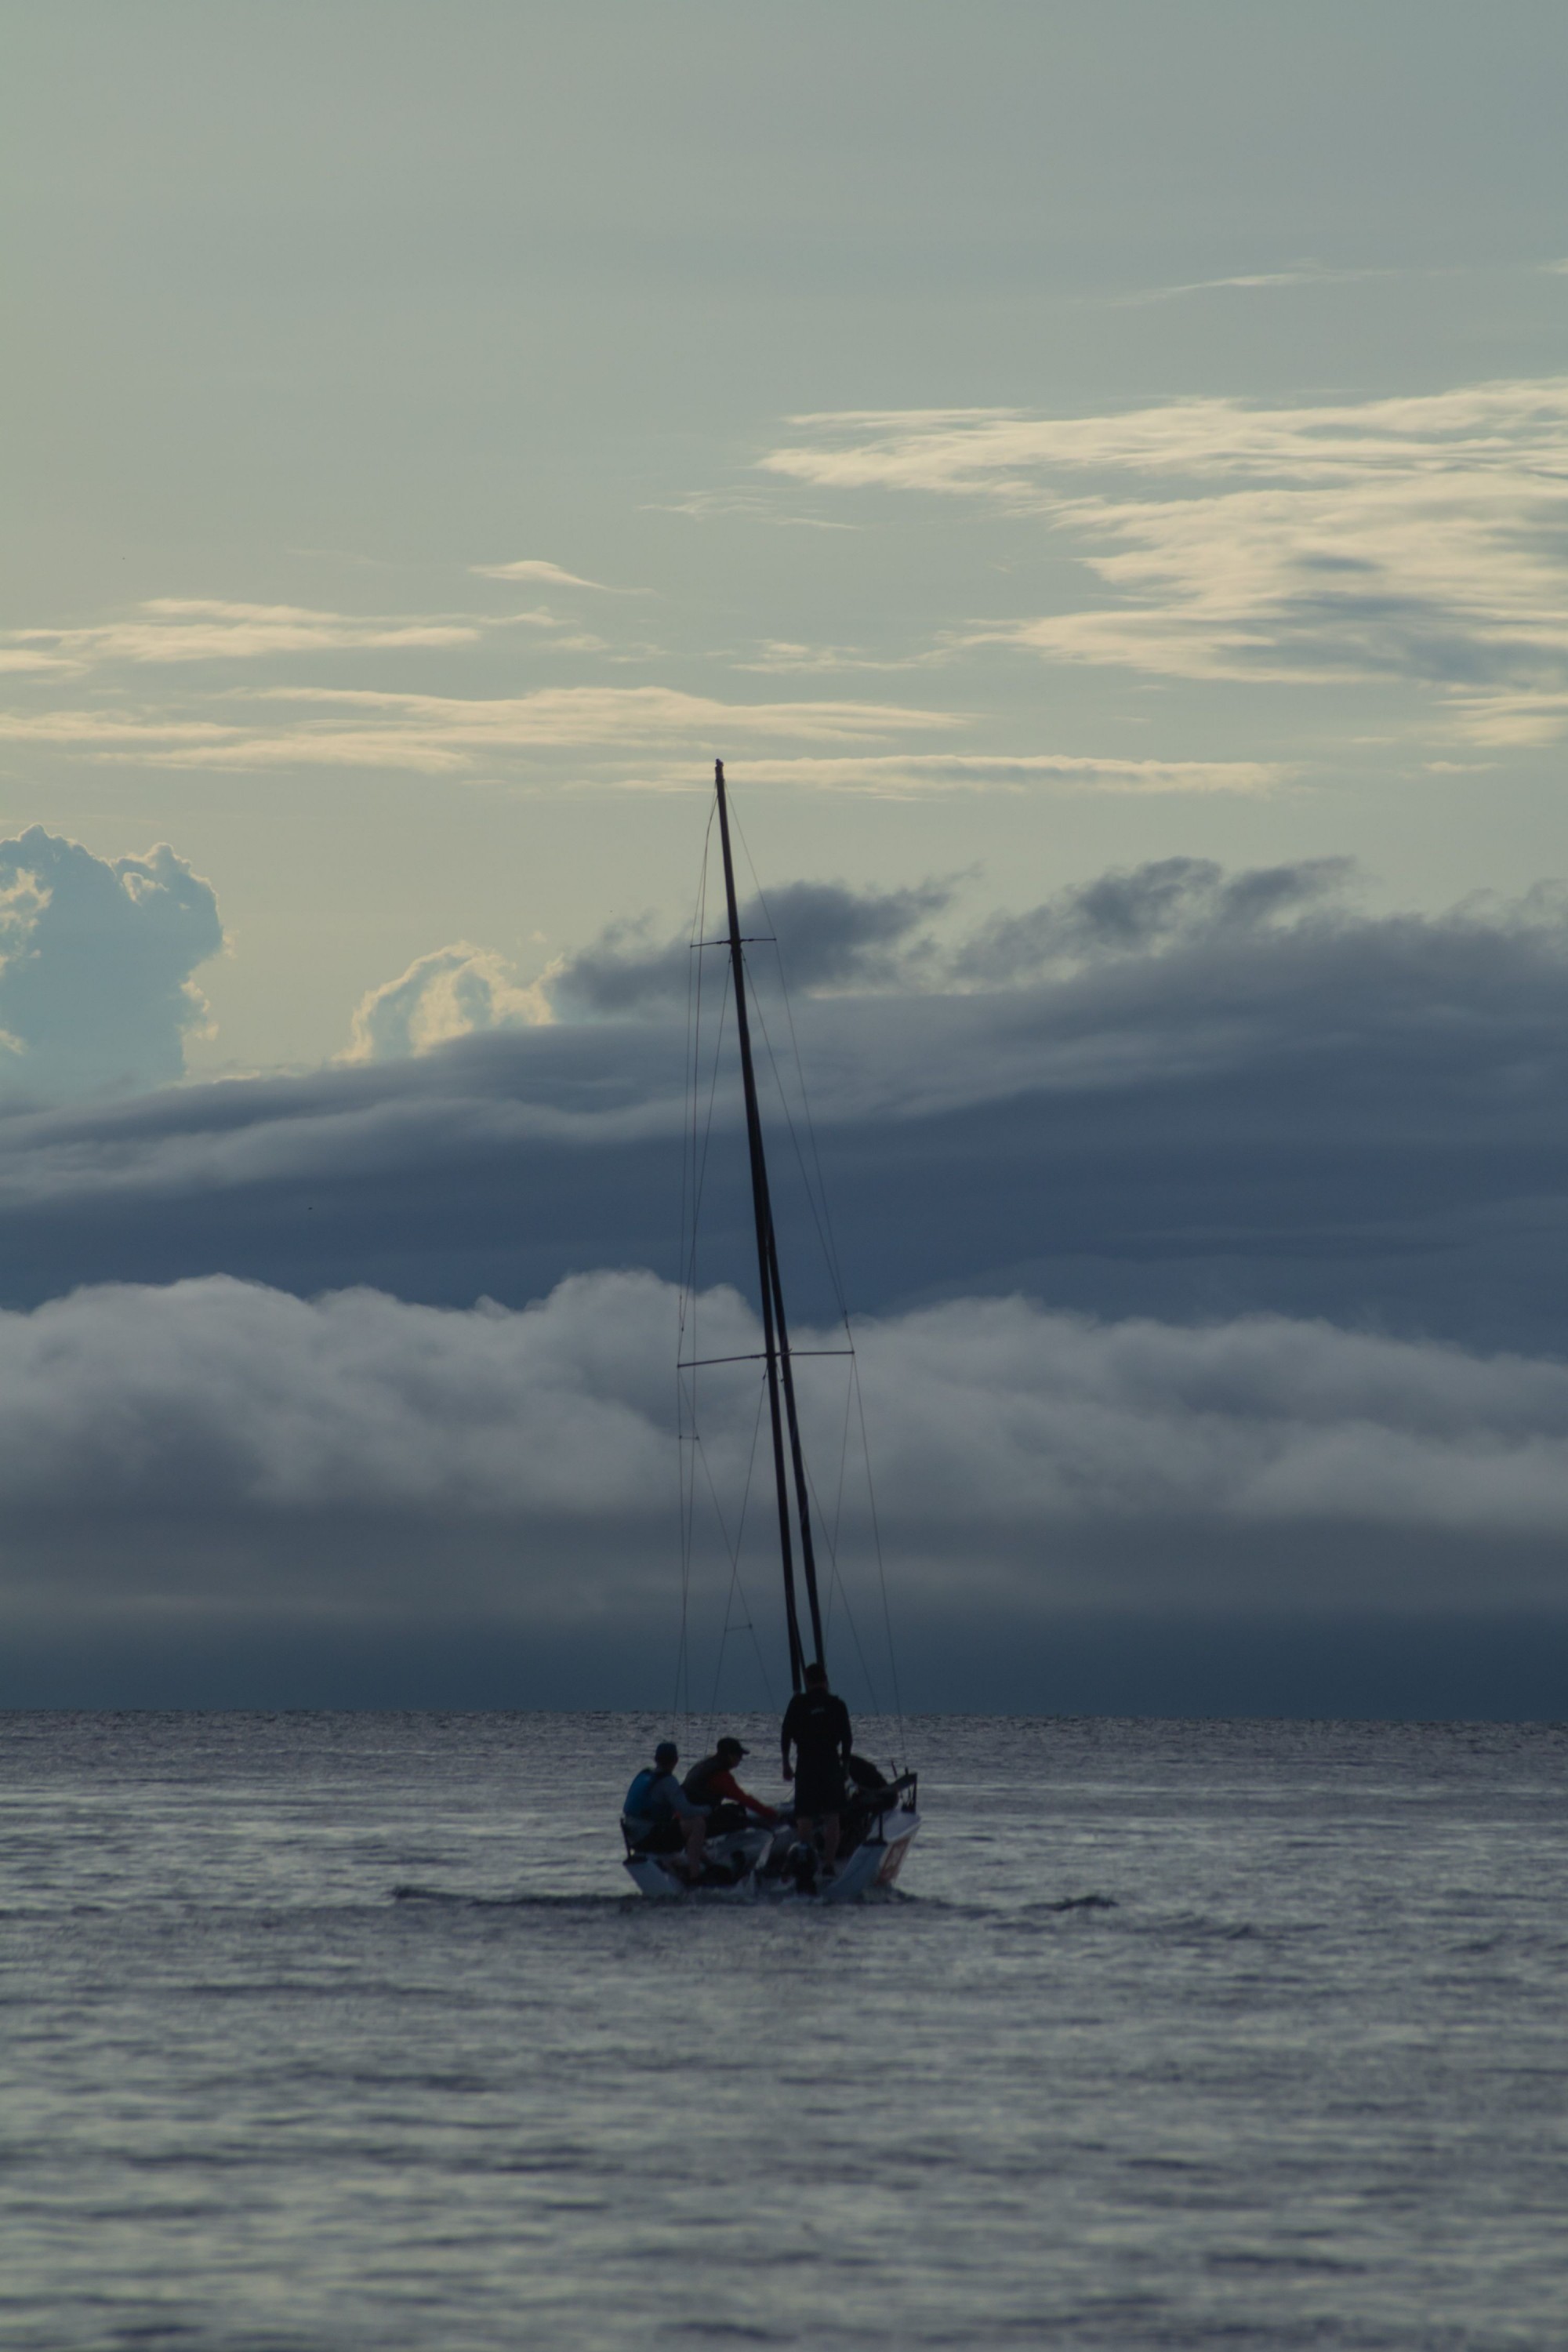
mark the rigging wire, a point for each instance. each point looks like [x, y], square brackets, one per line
[830, 1239]
[876, 1548]
[704, 1075]
[844, 1596]
[735, 1585]
[693, 1173]
[830, 1252]
[695, 1163]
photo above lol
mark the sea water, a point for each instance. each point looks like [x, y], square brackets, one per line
[337, 2031]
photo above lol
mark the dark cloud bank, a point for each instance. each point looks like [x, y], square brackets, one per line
[1208, 1236]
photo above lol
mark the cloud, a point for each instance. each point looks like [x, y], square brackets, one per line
[828, 936]
[1300, 273]
[1168, 1094]
[745, 506]
[197, 629]
[455, 992]
[96, 956]
[780, 654]
[450, 734]
[17, 660]
[1149, 909]
[899, 775]
[217, 1454]
[832, 936]
[1204, 1234]
[1416, 539]
[528, 567]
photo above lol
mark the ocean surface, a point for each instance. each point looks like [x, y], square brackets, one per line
[334, 2030]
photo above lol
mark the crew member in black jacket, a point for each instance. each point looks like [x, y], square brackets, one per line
[817, 1728]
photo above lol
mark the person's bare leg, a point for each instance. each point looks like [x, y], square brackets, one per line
[696, 1837]
[829, 1840]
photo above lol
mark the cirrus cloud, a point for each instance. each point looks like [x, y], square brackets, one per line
[451, 734]
[201, 629]
[1417, 538]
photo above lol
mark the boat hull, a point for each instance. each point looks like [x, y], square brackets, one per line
[760, 1875]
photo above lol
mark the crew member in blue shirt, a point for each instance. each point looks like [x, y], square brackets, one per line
[661, 1817]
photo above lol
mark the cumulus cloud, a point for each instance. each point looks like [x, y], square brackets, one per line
[218, 1449]
[459, 991]
[96, 956]
[1418, 538]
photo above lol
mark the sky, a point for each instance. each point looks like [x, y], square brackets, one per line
[1098, 475]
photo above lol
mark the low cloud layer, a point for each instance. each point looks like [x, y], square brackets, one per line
[96, 956]
[1417, 538]
[1206, 1236]
[219, 1451]
[1174, 1092]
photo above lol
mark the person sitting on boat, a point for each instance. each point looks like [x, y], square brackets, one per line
[659, 1817]
[817, 1727]
[713, 1783]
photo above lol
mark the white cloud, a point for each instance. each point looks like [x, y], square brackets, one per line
[743, 506]
[783, 655]
[906, 775]
[530, 567]
[455, 991]
[1300, 273]
[436, 734]
[198, 629]
[96, 956]
[1418, 539]
[17, 661]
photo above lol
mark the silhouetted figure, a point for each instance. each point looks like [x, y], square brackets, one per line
[817, 1728]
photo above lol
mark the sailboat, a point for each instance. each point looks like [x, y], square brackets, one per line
[881, 1818]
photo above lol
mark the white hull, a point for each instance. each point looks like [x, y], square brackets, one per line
[756, 1859]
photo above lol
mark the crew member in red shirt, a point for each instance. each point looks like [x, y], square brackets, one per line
[712, 1782]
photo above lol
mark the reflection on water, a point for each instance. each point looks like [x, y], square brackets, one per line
[326, 2032]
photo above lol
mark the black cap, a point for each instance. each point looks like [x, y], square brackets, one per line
[729, 1746]
[667, 1752]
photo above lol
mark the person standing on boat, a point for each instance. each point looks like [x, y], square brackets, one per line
[658, 1815]
[817, 1728]
[713, 1783]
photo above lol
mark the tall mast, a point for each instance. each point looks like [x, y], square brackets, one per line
[775, 1329]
